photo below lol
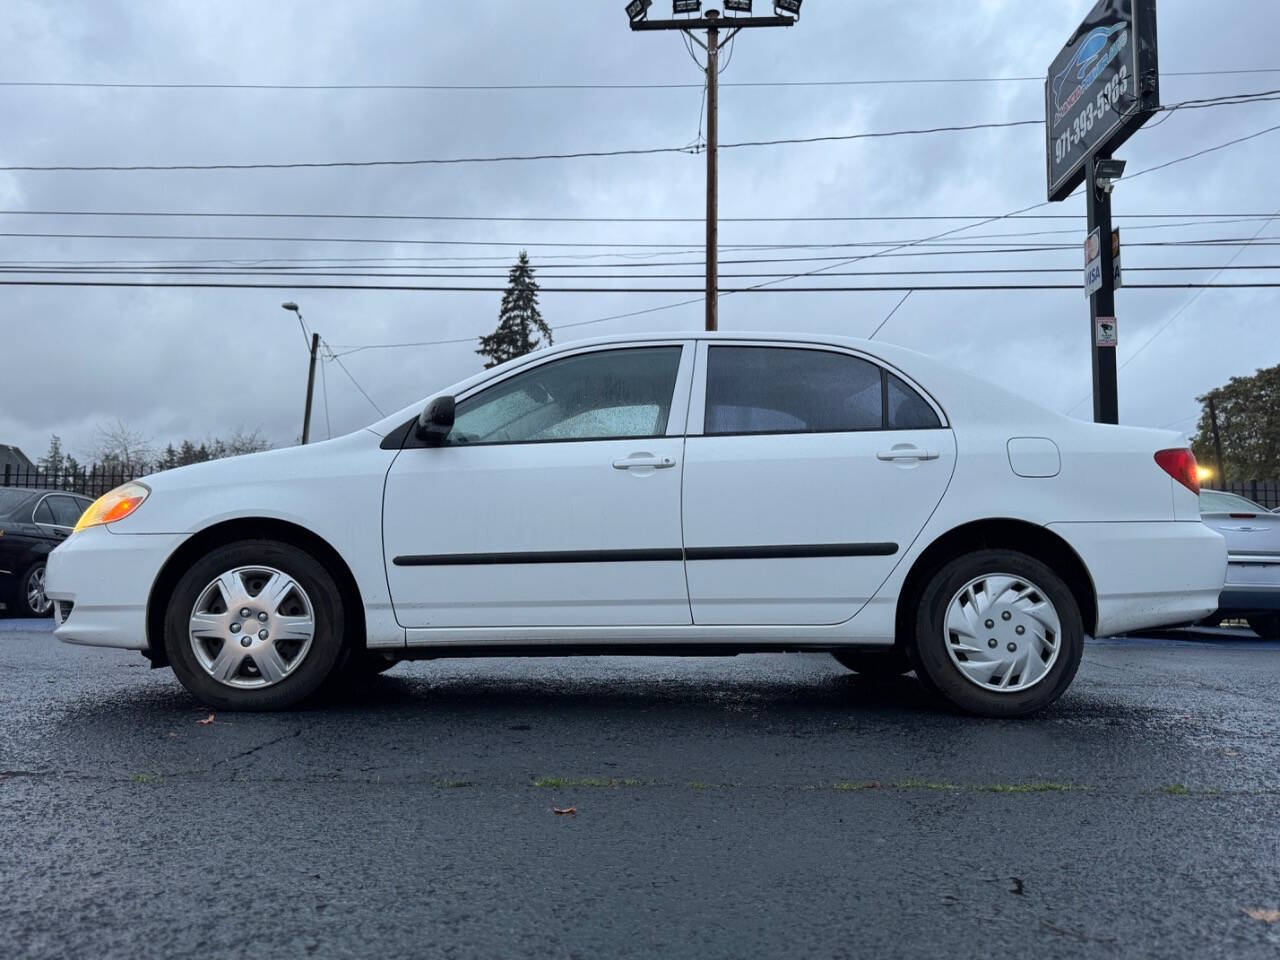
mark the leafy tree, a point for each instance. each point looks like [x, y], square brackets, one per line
[520, 322]
[1248, 411]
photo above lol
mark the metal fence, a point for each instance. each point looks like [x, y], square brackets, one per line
[91, 481]
[1264, 492]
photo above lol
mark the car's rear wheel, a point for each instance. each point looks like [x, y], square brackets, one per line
[255, 625]
[998, 634]
[1266, 626]
[875, 664]
[30, 600]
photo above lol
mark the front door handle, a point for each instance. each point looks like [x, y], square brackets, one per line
[644, 461]
[906, 452]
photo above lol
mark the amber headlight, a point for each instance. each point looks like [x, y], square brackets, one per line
[116, 505]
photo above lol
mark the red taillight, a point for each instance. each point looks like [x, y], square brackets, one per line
[1181, 465]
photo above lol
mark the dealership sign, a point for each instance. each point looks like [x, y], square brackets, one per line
[1102, 87]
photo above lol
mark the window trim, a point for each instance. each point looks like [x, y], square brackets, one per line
[698, 401]
[677, 416]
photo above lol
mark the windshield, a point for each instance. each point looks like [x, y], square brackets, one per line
[1215, 501]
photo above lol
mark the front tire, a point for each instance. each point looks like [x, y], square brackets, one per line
[998, 634]
[255, 625]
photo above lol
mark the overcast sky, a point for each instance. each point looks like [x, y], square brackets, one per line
[179, 363]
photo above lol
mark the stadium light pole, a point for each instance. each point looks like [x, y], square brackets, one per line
[786, 13]
[311, 371]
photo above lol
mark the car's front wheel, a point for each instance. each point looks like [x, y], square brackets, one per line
[255, 625]
[998, 633]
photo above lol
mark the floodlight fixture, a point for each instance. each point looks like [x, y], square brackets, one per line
[738, 6]
[685, 6]
[1107, 172]
[789, 7]
[638, 9]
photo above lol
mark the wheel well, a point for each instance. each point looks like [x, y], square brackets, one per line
[1028, 538]
[250, 528]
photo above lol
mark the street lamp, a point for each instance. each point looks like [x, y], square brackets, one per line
[738, 6]
[679, 7]
[311, 371]
[789, 7]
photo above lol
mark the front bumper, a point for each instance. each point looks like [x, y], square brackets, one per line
[1150, 574]
[105, 579]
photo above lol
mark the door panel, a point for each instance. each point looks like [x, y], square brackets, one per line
[803, 527]
[560, 532]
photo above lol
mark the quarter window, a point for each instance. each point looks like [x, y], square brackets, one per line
[608, 394]
[66, 510]
[906, 409]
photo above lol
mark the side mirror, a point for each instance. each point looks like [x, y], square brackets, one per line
[435, 422]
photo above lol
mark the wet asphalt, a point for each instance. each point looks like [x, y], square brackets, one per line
[760, 806]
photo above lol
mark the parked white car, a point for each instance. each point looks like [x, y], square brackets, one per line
[709, 494]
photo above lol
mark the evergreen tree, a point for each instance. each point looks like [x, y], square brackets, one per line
[520, 323]
[54, 461]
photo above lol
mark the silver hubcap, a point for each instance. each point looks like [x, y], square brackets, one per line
[36, 599]
[1003, 633]
[252, 627]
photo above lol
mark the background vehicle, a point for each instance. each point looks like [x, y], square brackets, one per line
[1252, 590]
[662, 494]
[32, 523]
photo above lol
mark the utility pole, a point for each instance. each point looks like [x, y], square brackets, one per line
[1217, 443]
[713, 22]
[311, 386]
[1102, 303]
[713, 173]
[311, 370]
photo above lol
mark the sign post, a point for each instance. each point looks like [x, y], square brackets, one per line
[1101, 88]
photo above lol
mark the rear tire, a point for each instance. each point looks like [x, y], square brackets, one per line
[255, 625]
[997, 633]
[1266, 626]
[875, 664]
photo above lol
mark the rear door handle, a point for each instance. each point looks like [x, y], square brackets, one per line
[906, 453]
[644, 461]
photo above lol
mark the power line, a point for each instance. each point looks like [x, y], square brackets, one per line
[756, 288]
[868, 218]
[357, 274]
[508, 158]
[363, 392]
[613, 245]
[1227, 100]
[537, 87]
[890, 314]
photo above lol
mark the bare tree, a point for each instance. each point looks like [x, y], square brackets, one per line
[120, 446]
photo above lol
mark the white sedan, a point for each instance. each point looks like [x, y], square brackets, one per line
[677, 494]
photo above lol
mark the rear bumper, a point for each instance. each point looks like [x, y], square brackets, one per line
[107, 578]
[1253, 584]
[1150, 574]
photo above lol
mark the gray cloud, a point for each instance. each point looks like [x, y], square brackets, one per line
[176, 363]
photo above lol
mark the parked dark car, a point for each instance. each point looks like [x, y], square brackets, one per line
[1252, 591]
[32, 523]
